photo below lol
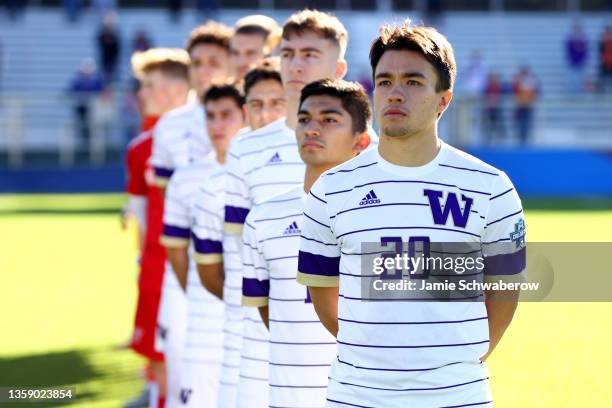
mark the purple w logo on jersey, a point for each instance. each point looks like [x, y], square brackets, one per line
[185, 394]
[440, 216]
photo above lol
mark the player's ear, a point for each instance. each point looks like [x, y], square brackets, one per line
[341, 68]
[444, 102]
[362, 141]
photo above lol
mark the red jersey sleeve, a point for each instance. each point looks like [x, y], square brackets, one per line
[136, 164]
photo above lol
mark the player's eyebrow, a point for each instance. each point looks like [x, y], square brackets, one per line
[383, 75]
[331, 112]
[411, 74]
[303, 112]
[305, 49]
[309, 49]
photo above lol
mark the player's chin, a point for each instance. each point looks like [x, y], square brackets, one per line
[313, 156]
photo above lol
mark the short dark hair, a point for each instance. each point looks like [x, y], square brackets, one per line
[252, 30]
[258, 24]
[323, 24]
[427, 41]
[210, 33]
[258, 74]
[352, 95]
[221, 91]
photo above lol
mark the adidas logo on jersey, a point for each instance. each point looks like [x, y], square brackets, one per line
[275, 159]
[370, 198]
[292, 229]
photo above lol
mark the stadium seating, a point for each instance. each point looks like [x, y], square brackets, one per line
[42, 52]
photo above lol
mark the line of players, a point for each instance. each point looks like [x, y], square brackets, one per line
[225, 322]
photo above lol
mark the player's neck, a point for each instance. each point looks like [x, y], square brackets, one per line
[416, 150]
[292, 110]
[220, 156]
[313, 173]
[178, 102]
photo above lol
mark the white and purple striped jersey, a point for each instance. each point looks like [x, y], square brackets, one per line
[301, 349]
[203, 345]
[179, 139]
[261, 164]
[213, 246]
[406, 353]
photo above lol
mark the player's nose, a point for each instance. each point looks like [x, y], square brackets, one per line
[396, 97]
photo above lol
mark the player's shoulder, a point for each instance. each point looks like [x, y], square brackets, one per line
[348, 171]
[177, 116]
[470, 169]
[278, 205]
[466, 163]
[140, 141]
[261, 138]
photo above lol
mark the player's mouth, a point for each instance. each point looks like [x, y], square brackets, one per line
[395, 113]
[218, 137]
[312, 144]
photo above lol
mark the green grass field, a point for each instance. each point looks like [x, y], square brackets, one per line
[68, 293]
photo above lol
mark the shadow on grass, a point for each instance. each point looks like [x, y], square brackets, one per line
[97, 374]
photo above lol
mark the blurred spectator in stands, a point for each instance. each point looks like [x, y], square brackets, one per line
[526, 89]
[14, 8]
[131, 112]
[141, 41]
[1, 69]
[576, 51]
[174, 8]
[72, 9]
[474, 77]
[434, 12]
[605, 60]
[104, 7]
[104, 116]
[207, 9]
[85, 86]
[493, 93]
[109, 46]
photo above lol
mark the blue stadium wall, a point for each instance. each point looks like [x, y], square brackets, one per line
[535, 173]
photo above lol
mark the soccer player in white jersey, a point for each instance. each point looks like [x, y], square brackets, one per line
[254, 38]
[217, 252]
[414, 187]
[164, 78]
[266, 162]
[333, 120]
[203, 347]
[265, 96]
[180, 136]
[180, 139]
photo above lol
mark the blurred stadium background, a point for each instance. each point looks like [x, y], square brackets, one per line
[68, 271]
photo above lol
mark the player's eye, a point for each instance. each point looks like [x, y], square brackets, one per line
[383, 82]
[330, 120]
[285, 54]
[303, 120]
[412, 82]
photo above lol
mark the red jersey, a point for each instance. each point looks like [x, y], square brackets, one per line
[140, 181]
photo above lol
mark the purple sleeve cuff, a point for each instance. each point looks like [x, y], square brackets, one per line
[312, 264]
